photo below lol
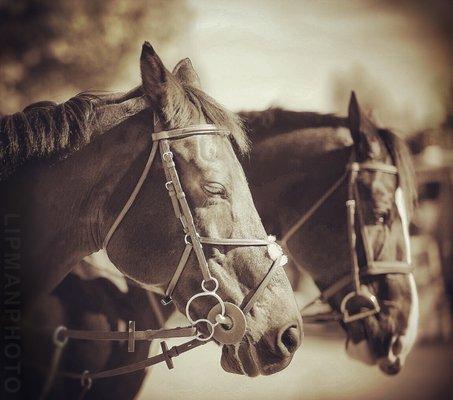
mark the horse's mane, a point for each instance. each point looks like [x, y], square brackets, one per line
[273, 121]
[402, 159]
[46, 129]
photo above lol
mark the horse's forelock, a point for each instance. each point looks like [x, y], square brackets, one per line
[218, 115]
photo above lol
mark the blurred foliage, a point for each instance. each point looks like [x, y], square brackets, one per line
[49, 48]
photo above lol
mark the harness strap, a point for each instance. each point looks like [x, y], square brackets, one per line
[377, 166]
[201, 129]
[352, 237]
[322, 318]
[234, 242]
[147, 335]
[166, 355]
[262, 286]
[53, 370]
[305, 217]
[175, 278]
[372, 267]
[132, 197]
[170, 167]
[387, 267]
[156, 309]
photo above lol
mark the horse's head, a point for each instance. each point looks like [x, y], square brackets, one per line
[148, 243]
[383, 199]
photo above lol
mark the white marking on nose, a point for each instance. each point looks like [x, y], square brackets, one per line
[408, 339]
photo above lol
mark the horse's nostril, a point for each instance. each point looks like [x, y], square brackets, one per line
[289, 339]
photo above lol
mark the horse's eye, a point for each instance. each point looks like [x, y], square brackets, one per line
[215, 188]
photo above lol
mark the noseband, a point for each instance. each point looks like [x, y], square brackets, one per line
[225, 322]
[359, 303]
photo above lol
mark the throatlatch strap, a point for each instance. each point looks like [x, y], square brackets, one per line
[132, 197]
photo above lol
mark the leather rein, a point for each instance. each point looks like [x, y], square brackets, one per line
[226, 322]
[363, 302]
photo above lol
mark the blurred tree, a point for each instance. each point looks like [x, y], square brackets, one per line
[49, 49]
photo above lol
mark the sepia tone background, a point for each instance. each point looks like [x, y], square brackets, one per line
[251, 55]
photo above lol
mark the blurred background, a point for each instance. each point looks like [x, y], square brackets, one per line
[300, 55]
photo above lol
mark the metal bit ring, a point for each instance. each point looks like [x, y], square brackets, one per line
[210, 326]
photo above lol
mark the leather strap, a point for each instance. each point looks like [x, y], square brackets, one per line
[353, 208]
[262, 286]
[132, 197]
[201, 129]
[377, 166]
[162, 357]
[175, 278]
[234, 242]
[190, 230]
[147, 335]
[306, 216]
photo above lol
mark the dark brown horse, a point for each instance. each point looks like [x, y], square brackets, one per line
[296, 158]
[69, 169]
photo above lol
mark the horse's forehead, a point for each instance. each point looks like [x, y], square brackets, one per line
[205, 150]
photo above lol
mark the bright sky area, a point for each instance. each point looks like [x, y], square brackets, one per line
[259, 53]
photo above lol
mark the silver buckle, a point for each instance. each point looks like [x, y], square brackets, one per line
[365, 302]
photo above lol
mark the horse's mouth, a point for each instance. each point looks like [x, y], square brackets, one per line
[362, 350]
[390, 365]
[237, 361]
[243, 360]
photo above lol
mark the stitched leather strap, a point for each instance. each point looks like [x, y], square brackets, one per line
[147, 335]
[132, 197]
[247, 306]
[234, 242]
[306, 216]
[162, 357]
[175, 278]
[201, 129]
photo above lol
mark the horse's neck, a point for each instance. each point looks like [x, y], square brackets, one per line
[290, 174]
[309, 158]
[63, 205]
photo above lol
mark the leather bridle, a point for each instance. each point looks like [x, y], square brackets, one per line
[225, 322]
[359, 303]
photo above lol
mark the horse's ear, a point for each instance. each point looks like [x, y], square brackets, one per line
[364, 131]
[162, 89]
[354, 118]
[185, 72]
[154, 74]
